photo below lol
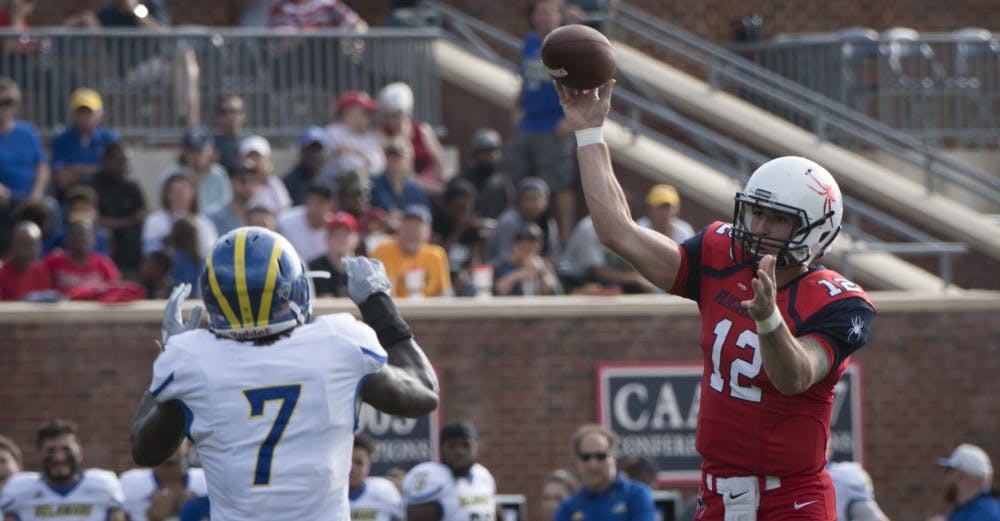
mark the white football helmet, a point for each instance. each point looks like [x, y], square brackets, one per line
[796, 186]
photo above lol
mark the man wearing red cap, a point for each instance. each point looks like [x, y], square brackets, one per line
[352, 139]
[341, 241]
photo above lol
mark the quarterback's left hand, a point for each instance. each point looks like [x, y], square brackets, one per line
[173, 320]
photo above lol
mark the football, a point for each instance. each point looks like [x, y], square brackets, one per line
[578, 56]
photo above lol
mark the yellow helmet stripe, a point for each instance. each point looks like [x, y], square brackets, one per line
[240, 265]
[219, 297]
[263, 314]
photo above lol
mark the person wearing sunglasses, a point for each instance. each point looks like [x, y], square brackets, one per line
[605, 495]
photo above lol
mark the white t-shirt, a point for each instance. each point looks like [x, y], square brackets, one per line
[379, 500]
[140, 484]
[851, 484]
[369, 153]
[157, 226]
[273, 196]
[308, 242]
[273, 424]
[28, 498]
[461, 498]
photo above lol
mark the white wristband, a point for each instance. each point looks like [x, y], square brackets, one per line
[589, 136]
[770, 323]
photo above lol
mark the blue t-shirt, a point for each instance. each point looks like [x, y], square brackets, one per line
[984, 507]
[70, 148]
[184, 269]
[383, 197]
[540, 108]
[195, 509]
[624, 500]
[20, 154]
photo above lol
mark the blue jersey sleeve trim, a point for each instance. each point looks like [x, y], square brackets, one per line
[159, 389]
[424, 498]
[381, 358]
[7, 505]
[357, 400]
[188, 418]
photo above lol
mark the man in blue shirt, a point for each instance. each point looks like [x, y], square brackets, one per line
[605, 495]
[968, 478]
[77, 151]
[24, 174]
[543, 146]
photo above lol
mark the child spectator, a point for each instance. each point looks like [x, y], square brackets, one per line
[178, 199]
[186, 257]
[524, 271]
[154, 274]
[21, 273]
[79, 269]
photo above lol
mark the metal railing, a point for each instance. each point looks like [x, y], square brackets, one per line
[826, 118]
[943, 88]
[636, 109]
[156, 84]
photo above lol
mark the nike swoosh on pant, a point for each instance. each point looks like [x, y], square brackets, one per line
[798, 505]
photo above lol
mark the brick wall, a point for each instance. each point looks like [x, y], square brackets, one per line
[527, 380]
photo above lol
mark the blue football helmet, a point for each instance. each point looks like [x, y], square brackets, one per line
[254, 285]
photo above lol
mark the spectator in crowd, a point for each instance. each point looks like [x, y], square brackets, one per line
[121, 207]
[605, 494]
[158, 493]
[186, 257]
[230, 118]
[256, 151]
[154, 274]
[588, 267]
[62, 484]
[10, 460]
[532, 206]
[461, 233]
[525, 271]
[354, 197]
[352, 141]
[148, 14]
[263, 217]
[496, 191]
[558, 485]
[235, 214]
[307, 171]
[178, 199]
[81, 203]
[414, 266]
[21, 272]
[313, 14]
[663, 203]
[24, 173]
[458, 487]
[197, 161]
[15, 14]
[968, 480]
[396, 188]
[77, 151]
[428, 161]
[342, 240]
[638, 468]
[79, 268]
[305, 226]
[542, 145]
[371, 497]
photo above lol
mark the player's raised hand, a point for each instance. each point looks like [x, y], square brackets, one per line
[585, 108]
[173, 320]
[762, 304]
[365, 277]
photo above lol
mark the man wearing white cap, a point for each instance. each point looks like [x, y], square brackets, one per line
[272, 195]
[969, 477]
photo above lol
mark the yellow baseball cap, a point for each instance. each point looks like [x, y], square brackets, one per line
[663, 194]
[85, 98]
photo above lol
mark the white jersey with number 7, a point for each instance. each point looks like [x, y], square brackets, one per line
[273, 424]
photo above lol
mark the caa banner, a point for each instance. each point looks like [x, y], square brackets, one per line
[399, 442]
[653, 407]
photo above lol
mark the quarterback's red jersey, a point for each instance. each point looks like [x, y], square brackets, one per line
[745, 425]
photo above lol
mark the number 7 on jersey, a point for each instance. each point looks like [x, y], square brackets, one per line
[289, 396]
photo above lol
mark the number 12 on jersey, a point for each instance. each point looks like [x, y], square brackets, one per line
[289, 396]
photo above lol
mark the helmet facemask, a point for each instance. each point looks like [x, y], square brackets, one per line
[746, 245]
